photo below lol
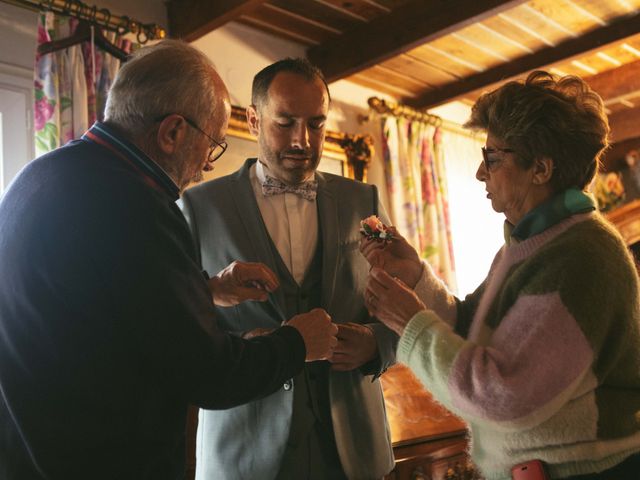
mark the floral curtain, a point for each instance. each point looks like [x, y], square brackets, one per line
[417, 188]
[70, 85]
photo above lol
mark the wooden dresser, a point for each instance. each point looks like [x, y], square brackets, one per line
[429, 442]
[627, 220]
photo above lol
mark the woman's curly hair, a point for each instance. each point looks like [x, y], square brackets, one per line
[545, 116]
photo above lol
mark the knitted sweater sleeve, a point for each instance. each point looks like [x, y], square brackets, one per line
[433, 292]
[560, 307]
[435, 295]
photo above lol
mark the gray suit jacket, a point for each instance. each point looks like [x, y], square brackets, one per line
[248, 442]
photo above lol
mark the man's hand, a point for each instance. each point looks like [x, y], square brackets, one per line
[396, 257]
[390, 300]
[318, 332]
[356, 346]
[242, 281]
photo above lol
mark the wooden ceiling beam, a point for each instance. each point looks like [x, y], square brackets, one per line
[624, 124]
[614, 158]
[191, 19]
[572, 48]
[406, 27]
[617, 82]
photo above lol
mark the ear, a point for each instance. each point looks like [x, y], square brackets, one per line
[171, 134]
[542, 170]
[253, 119]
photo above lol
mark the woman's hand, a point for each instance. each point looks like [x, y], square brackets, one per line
[396, 257]
[390, 300]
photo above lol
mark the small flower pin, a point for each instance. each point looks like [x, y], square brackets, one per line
[371, 227]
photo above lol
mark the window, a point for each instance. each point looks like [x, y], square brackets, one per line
[16, 126]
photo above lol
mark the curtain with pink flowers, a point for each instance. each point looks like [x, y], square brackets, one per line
[71, 85]
[417, 189]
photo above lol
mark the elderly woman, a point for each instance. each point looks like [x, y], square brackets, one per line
[543, 359]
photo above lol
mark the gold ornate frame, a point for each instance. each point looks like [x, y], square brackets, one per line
[355, 151]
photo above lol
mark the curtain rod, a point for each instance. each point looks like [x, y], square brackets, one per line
[385, 107]
[101, 17]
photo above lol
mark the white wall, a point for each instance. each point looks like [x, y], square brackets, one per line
[18, 29]
[239, 52]
[16, 128]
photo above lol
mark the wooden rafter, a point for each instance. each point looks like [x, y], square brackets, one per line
[572, 48]
[617, 82]
[406, 27]
[191, 19]
[624, 124]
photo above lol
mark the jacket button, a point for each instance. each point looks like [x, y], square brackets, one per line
[288, 385]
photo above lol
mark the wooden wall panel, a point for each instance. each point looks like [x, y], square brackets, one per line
[401, 80]
[466, 51]
[513, 33]
[619, 82]
[361, 8]
[533, 25]
[381, 86]
[319, 12]
[625, 124]
[493, 40]
[428, 54]
[419, 70]
[566, 17]
[296, 27]
[608, 10]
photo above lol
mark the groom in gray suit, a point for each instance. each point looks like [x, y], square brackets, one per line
[328, 422]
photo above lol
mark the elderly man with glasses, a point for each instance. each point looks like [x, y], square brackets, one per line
[107, 325]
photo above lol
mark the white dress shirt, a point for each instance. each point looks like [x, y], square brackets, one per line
[292, 223]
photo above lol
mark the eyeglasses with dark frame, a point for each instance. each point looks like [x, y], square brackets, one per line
[490, 164]
[213, 155]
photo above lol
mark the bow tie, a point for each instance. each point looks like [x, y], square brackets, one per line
[273, 186]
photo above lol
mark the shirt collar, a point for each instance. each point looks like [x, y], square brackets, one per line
[549, 213]
[262, 170]
[152, 173]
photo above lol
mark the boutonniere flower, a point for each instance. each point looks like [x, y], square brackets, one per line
[372, 228]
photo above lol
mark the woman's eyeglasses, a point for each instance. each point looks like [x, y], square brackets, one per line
[491, 160]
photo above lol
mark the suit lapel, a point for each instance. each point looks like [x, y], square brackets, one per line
[257, 235]
[330, 228]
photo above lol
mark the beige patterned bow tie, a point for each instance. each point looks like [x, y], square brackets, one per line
[273, 186]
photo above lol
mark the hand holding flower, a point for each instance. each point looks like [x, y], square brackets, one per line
[373, 229]
[396, 257]
[390, 300]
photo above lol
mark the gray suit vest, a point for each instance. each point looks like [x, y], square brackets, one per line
[311, 451]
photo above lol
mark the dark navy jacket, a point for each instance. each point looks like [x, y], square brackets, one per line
[107, 327]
